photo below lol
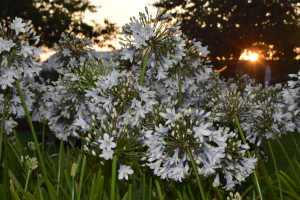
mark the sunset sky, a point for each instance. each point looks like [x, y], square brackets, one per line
[117, 11]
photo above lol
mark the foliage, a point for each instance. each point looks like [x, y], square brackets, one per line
[229, 27]
[52, 17]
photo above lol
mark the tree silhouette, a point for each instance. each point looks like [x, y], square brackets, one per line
[52, 17]
[270, 27]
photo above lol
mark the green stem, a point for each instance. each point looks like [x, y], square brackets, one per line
[6, 176]
[190, 192]
[48, 184]
[144, 184]
[248, 153]
[5, 182]
[73, 187]
[286, 155]
[81, 175]
[27, 179]
[279, 184]
[150, 188]
[113, 177]
[197, 176]
[179, 86]
[183, 192]
[158, 190]
[2, 125]
[43, 140]
[59, 164]
[130, 184]
[144, 69]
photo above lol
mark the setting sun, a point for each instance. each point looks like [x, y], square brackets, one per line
[248, 55]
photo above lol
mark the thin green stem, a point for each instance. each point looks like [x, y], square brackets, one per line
[5, 182]
[130, 183]
[158, 190]
[43, 140]
[286, 155]
[27, 179]
[248, 153]
[81, 175]
[2, 125]
[190, 192]
[59, 164]
[113, 177]
[197, 176]
[144, 69]
[144, 184]
[6, 176]
[48, 184]
[183, 192]
[73, 188]
[179, 86]
[150, 188]
[278, 179]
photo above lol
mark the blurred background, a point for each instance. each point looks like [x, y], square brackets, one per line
[243, 36]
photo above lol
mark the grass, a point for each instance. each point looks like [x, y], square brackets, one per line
[286, 140]
[290, 147]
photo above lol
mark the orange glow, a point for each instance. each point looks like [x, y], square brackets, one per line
[249, 56]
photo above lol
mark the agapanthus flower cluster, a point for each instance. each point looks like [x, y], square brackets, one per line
[171, 134]
[66, 100]
[31, 163]
[118, 105]
[70, 49]
[17, 63]
[269, 112]
[167, 47]
[235, 196]
[16, 54]
[233, 101]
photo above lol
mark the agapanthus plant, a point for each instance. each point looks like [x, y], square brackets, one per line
[176, 138]
[67, 98]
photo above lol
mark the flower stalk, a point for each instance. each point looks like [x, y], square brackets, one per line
[286, 155]
[248, 153]
[144, 69]
[113, 177]
[278, 179]
[48, 184]
[27, 178]
[197, 176]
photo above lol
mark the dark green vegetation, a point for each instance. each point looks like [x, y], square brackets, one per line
[228, 27]
[52, 17]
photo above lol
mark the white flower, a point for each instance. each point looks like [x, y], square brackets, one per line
[216, 182]
[107, 142]
[124, 171]
[107, 154]
[201, 131]
[66, 52]
[18, 26]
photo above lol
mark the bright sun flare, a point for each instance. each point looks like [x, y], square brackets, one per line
[249, 56]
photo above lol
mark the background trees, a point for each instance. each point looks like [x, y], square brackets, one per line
[270, 27]
[52, 17]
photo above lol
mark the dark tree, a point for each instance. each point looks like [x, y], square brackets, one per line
[52, 17]
[230, 26]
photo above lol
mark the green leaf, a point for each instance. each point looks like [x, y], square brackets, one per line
[289, 179]
[285, 182]
[267, 179]
[28, 195]
[125, 196]
[291, 194]
[64, 192]
[13, 193]
[246, 191]
[15, 180]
